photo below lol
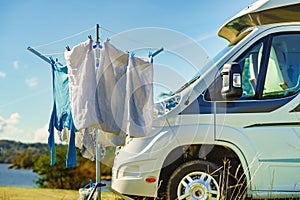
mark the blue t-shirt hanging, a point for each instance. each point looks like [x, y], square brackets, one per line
[61, 116]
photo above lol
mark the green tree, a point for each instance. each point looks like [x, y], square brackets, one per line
[51, 176]
[23, 161]
[58, 176]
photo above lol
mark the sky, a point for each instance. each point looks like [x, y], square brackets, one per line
[25, 80]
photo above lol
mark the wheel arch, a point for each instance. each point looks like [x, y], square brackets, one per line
[216, 153]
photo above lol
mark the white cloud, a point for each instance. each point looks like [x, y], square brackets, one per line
[8, 128]
[16, 64]
[32, 82]
[13, 131]
[13, 119]
[41, 135]
[2, 124]
[2, 74]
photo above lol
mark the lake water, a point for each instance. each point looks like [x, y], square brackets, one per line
[17, 177]
[23, 178]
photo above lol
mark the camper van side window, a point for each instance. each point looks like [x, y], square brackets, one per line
[283, 70]
[250, 63]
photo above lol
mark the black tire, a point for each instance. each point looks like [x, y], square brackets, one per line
[198, 180]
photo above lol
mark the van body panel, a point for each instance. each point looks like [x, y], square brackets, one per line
[264, 132]
[273, 127]
[133, 164]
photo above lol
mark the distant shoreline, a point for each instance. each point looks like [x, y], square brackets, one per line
[12, 166]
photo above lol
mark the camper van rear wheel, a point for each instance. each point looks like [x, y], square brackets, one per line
[195, 180]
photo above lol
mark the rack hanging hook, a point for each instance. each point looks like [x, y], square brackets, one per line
[97, 33]
[97, 46]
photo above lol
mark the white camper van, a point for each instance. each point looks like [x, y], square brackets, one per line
[234, 130]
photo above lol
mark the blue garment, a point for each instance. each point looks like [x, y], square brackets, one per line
[61, 116]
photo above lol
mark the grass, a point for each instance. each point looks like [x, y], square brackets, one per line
[19, 193]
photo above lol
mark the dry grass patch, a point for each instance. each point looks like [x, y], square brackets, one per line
[19, 193]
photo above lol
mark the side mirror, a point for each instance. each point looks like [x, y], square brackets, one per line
[232, 81]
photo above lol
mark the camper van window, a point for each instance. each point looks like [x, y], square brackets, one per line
[249, 62]
[283, 70]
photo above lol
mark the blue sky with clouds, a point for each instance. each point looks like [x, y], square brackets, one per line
[25, 80]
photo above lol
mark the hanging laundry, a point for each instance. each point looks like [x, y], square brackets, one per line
[111, 140]
[111, 89]
[140, 96]
[82, 83]
[86, 141]
[61, 116]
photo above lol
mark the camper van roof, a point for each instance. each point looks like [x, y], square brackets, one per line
[262, 12]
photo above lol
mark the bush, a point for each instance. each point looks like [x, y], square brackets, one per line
[60, 177]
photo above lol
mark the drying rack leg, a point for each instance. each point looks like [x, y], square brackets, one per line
[98, 166]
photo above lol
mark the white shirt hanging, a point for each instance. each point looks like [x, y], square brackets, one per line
[140, 96]
[82, 84]
[111, 89]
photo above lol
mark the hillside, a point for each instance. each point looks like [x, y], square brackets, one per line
[9, 150]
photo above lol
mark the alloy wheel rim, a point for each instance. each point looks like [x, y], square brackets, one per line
[198, 186]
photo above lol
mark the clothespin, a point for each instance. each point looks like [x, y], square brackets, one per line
[132, 54]
[97, 45]
[91, 183]
[68, 48]
[151, 55]
[51, 60]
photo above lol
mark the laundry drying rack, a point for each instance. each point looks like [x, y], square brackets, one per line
[93, 187]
